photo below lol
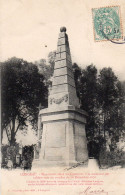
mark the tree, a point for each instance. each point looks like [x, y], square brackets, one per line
[77, 77]
[111, 101]
[23, 89]
[51, 60]
[88, 95]
[47, 67]
[43, 68]
[103, 97]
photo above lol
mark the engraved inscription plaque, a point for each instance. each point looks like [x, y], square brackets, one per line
[56, 135]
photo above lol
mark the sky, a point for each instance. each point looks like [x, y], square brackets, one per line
[27, 26]
[27, 138]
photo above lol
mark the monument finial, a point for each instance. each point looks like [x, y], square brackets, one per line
[63, 29]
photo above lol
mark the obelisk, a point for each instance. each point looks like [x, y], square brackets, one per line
[63, 137]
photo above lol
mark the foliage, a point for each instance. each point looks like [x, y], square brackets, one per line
[4, 155]
[9, 152]
[23, 89]
[111, 103]
[47, 68]
[77, 76]
[86, 85]
[111, 158]
[102, 95]
[27, 157]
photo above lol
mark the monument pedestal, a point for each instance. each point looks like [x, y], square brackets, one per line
[64, 137]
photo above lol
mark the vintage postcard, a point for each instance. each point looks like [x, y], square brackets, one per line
[62, 97]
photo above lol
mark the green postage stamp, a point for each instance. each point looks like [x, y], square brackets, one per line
[107, 23]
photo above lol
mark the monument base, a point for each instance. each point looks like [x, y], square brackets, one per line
[63, 138]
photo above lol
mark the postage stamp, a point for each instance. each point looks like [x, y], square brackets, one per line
[107, 23]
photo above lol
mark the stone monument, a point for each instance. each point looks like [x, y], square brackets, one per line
[63, 132]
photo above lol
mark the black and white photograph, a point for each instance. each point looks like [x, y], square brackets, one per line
[62, 97]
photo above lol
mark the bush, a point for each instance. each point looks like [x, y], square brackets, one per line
[9, 152]
[112, 158]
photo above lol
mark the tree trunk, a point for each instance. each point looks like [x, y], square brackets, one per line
[1, 134]
[13, 140]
